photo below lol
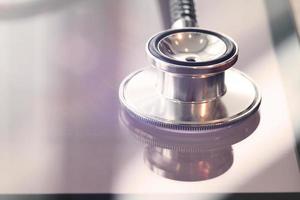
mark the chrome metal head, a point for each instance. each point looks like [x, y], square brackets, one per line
[191, 62]
[190, 85]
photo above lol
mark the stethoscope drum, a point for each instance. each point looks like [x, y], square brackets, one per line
[190, 85]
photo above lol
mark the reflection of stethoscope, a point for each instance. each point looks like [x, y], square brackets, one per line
[189, 155]
[190, 107]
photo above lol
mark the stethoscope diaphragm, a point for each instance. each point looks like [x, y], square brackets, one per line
[190, 86]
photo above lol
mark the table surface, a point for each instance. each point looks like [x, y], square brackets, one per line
[61, 63]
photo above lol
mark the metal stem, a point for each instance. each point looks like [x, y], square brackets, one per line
[183, 13]
[186, 88]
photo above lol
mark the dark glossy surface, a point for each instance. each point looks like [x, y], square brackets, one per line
[60, 70]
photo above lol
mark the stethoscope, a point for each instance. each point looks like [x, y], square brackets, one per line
[191, 85]
[190, 107]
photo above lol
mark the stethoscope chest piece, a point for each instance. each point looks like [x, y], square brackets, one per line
[190, 86]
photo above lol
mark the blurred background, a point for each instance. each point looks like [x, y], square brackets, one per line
[61, 63]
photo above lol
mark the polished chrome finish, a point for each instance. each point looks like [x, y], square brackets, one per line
[184, 166]
[184, 22]
[140, 96]
[192, 46]
[190, 85]
[192, 51]
[187, 88]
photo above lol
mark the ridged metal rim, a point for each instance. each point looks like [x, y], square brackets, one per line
[193, 141]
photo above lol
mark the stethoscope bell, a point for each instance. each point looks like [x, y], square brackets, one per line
[190, 86]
